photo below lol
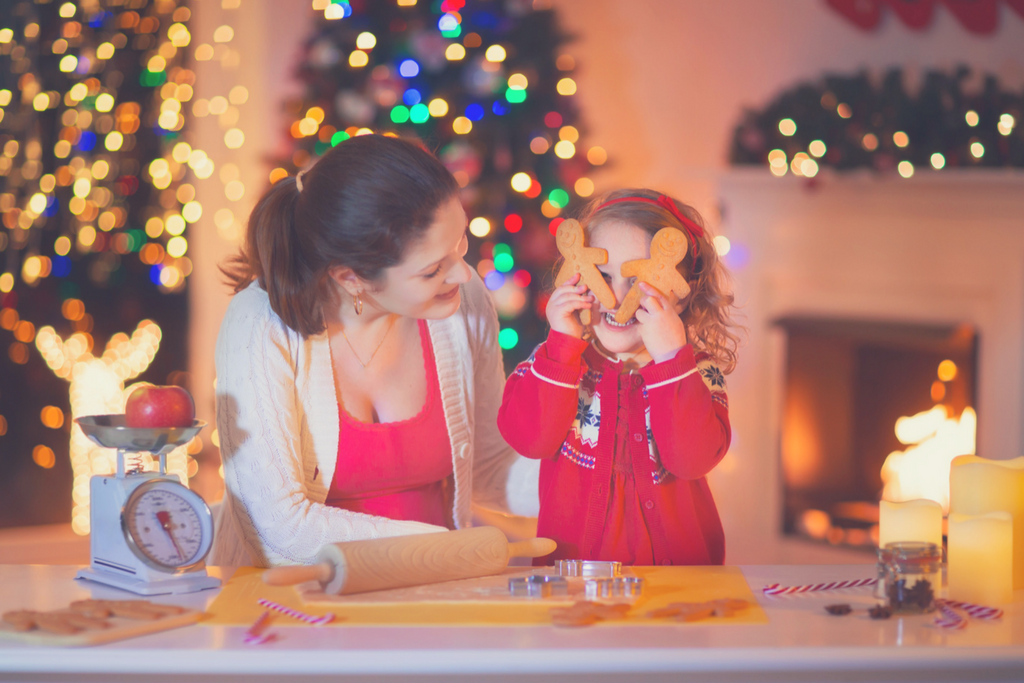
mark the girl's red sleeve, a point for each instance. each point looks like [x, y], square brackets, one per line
[689, 413]
[540, 399]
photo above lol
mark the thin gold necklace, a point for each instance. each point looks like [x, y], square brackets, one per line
[370, 359]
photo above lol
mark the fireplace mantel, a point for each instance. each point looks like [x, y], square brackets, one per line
[942, 247]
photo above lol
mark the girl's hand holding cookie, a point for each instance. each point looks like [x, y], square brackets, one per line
[565, 301]
[661, 328]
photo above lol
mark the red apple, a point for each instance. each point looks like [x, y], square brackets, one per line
[152, 406]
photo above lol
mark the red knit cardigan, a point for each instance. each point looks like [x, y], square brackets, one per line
[678, 415]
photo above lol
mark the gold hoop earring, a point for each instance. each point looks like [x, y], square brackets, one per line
[358, 305]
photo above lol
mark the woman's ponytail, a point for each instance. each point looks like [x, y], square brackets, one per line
[273, 255]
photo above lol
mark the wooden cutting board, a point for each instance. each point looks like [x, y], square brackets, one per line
[121, 629]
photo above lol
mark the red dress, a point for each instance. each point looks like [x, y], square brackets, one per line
[399, 470]
[624, 456]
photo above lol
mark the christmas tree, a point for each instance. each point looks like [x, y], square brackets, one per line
[93, 260]
[487, 87]
[848, 122]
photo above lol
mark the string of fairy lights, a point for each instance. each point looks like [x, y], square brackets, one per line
[74, 195]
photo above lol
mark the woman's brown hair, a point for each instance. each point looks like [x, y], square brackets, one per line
[708, 312]
[359, 206]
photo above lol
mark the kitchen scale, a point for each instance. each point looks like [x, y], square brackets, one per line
[149, 534]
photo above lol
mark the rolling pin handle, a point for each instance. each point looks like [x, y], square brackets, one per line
[533, 547]
[292, 575]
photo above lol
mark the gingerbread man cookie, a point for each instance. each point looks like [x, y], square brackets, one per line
[668, 249]
[698, 611]
[585, 613]
[583, 260]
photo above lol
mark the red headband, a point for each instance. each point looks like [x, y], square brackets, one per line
[692, 229]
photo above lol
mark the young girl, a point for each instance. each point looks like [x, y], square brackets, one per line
[628, 419]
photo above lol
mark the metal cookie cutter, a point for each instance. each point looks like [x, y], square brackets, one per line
[539, 586]
[589, 568]
[618, 587]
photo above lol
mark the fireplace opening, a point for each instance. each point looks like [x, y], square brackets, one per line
[871, 409]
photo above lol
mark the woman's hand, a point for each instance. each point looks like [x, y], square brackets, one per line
[563, 304]
[661, 328]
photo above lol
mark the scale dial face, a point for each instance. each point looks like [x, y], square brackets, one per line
[167, 526]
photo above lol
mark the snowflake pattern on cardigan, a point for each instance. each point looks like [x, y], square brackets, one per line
[712, 374]
[587, 423]
[714, 380]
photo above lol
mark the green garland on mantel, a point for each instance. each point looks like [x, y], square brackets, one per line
[856, 122]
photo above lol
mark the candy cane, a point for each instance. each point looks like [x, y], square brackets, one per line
[301, 616]
[949, 618]
[255, 635]
[976, 611]
[776, 589]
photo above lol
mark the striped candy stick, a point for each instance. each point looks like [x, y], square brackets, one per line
[976, 611]
[255, 635]
[296, 614]
[776, 589]
[949, 619]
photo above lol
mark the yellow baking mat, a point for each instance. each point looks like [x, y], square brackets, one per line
[236, 604]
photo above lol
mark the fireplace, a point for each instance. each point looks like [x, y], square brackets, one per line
[914, 258]
[868, 407]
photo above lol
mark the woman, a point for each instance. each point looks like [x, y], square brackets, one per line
[358, 367]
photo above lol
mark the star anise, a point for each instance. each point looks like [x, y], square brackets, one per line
[838, 610]
[879, 612]
[921, 594]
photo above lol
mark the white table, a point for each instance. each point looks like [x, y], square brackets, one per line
[801, 643]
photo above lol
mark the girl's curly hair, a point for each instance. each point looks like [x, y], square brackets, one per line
[708, 312]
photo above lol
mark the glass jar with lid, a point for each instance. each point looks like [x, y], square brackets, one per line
[911, 575]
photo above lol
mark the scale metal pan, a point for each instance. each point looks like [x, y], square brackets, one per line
[110, 431]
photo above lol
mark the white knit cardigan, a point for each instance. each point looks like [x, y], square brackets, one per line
[278, 423]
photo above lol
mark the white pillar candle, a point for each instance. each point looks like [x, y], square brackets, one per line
[912, 520]
[978, 486]
[981, 558]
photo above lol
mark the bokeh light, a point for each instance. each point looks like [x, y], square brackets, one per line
[438, 107]
[947, 371]
[597, 156]
[495, 53]
[409, 68]
[521, 182]
[508, 338]
[480, 226]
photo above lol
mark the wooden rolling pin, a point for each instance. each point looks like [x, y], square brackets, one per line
[399, 561]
